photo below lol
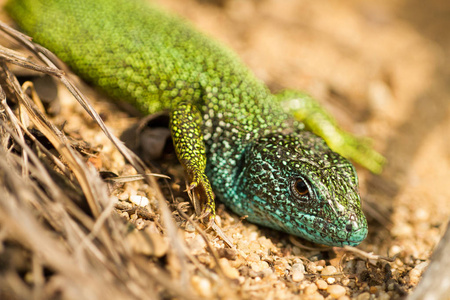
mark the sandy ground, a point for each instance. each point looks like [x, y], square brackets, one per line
[381, 68]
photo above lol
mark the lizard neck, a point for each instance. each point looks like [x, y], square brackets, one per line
[230, 130]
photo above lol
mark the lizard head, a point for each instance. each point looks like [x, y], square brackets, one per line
[295, 183]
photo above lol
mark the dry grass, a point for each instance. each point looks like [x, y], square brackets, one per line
[54, 245]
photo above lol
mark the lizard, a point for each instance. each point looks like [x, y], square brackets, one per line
[264, 155]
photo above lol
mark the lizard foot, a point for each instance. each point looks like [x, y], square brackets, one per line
[200, 192]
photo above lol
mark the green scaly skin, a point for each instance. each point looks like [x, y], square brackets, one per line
[228, 129]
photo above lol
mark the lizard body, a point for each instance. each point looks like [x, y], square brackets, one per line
[230, 132]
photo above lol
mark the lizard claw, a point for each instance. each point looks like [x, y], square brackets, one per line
[191, 187]
[200, 189]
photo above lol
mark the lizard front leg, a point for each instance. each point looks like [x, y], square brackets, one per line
[190, 149]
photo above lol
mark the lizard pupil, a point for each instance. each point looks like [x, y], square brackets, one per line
[301, 187]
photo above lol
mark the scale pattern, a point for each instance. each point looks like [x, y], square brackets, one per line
[254, 150]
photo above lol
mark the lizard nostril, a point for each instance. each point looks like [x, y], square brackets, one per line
[349, 227]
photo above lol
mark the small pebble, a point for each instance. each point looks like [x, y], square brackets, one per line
[154, 202]
[344, 298]
[311, 267]
[321, 263]
[280, 266]
[125, 204]
[331, 280]
[229, 271]
[373, 289]
[279, 285]
[151, 244]
[414, 276]
[267, 272]
[253, 257]
[202, 286]
[254, 246]
[321, 284]
[336, 290]
[264, 265]
[237, 236]
[395, 249]
[421, 266]
[238, 262]
[351, 284]
[298, 272]
[315, 296]
[298, 260]
[259, 266]
[255, 267]
[298, 267]
[398, 262]
[329, 270]
[383, 296]
[189, 227]
[229, 254]
[266, 243]
[311, 289]
[402, 230]
[139, 200]
[197, 245]
[297, 276]
[252, 236]
[421, 215]
[140, 224]
[304, 284]
[124, 196]
[205, 259]
[363, 296]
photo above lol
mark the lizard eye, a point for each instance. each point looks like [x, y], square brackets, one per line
[299, 188]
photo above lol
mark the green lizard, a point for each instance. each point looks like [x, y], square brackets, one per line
[230, 133]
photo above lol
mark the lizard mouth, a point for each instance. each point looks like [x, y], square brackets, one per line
[349, 230]
[345, 235]
[321, 231]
